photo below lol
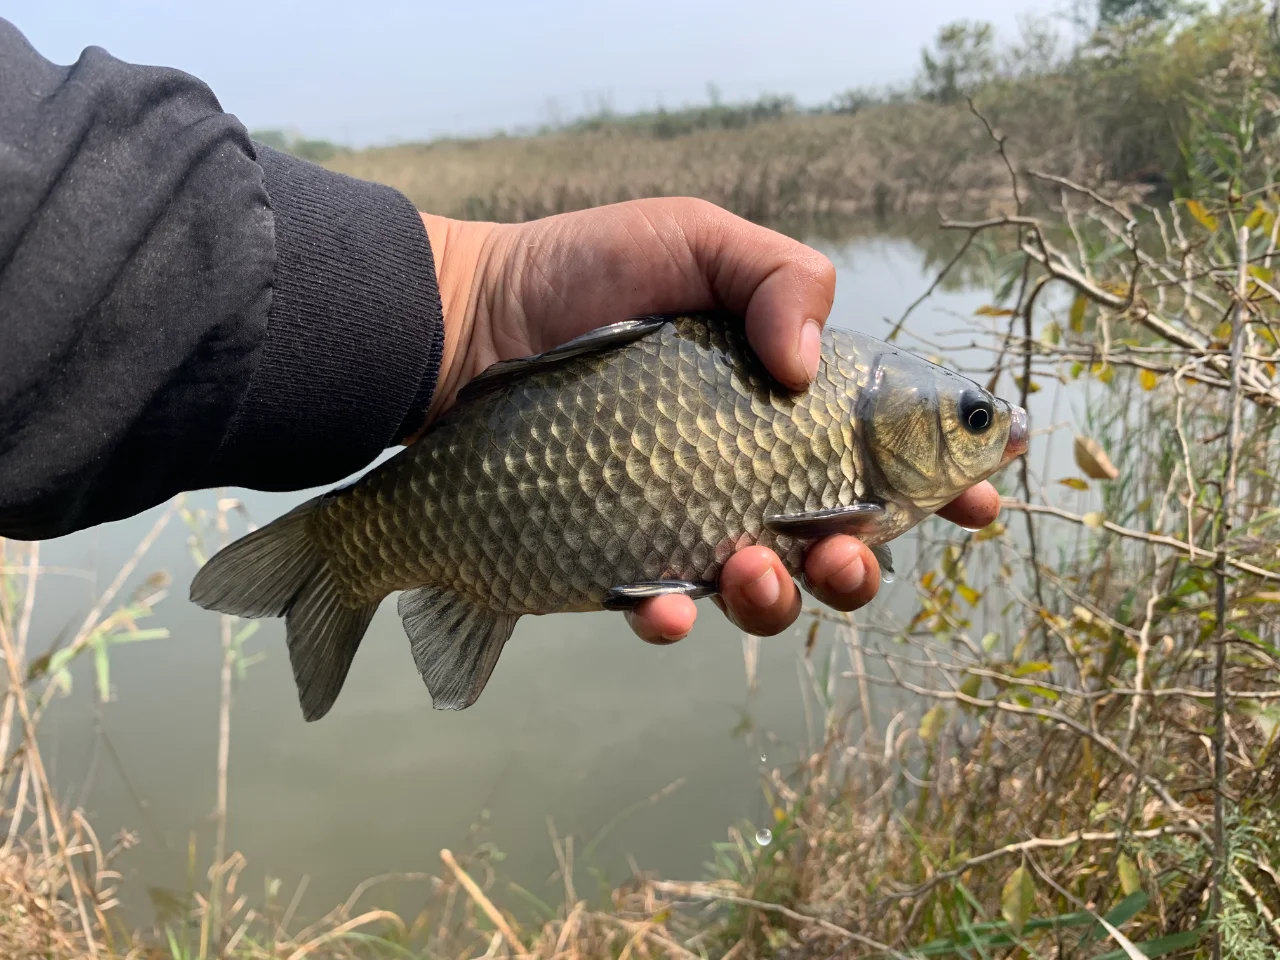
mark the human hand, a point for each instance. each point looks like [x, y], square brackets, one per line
[512, 290]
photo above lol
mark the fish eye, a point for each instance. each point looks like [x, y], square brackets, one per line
[976, 412]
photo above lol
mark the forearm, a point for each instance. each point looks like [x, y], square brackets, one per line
[180, 308]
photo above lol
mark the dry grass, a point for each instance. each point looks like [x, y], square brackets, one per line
[882, 160]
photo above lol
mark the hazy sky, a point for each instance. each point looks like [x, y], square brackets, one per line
[383, 70]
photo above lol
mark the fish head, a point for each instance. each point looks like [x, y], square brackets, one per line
[932, 433]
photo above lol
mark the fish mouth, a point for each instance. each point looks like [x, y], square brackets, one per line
[1019, 434]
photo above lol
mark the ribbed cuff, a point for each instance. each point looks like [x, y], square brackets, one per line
[354, 336]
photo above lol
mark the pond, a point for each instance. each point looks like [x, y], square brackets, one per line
[581, 722]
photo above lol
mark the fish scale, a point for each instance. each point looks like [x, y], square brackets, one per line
[629, 463]
[543, 496]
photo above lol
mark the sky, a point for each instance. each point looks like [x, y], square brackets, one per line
[383, 71]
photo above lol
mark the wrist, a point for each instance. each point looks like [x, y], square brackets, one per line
[460, 250]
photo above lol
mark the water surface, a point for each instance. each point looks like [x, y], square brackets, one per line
[580, 721]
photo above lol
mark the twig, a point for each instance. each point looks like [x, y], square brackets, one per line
[703, 891]
[224, 706]
[24, 629]
[346, 928]
[1036, 843]
[1225, 504]
[91, 620]
[897, 327]
[1007, 503]
[485, 904]
[42, 787]
[646, 931]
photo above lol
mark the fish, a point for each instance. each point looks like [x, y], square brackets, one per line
[628, 463]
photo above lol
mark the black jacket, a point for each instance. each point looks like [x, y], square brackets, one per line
[181, 307]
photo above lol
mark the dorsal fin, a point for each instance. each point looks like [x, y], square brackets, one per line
[594, 341]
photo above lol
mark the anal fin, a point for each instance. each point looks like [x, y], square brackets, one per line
[855, 519]
[627, 595]
[455, 641]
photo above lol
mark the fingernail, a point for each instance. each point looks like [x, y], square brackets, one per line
[810, 347]
[764, 590]
[848, 578]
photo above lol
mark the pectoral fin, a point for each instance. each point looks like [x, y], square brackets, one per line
[456, 643]
[856, 519]
[626, 596]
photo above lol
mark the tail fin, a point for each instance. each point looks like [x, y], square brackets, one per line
[279, 571]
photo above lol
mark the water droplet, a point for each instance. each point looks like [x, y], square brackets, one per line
[887, 576]
[763, 757]
[764, 836]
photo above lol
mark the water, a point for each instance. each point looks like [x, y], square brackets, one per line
[580, 721]
[764, 836]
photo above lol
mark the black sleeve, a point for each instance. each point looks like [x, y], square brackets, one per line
[183, 308]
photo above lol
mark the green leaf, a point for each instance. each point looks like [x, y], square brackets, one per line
[989, 642]
[972, 686]
[1128, 908]
[60, 659]
[134, 636]
[1051, 334]
[932, 724]
[990, 311]
[247, 631]
[1017, 899]
[1160, 946]
[1130, 879]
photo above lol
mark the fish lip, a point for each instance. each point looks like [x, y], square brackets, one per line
[1019, 434]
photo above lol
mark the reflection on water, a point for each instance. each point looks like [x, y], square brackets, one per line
[580, 721]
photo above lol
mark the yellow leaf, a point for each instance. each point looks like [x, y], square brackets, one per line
[1203, 216]
[1256, 216]
[1261, 273]
[1148, 379]
[1022, 384]
[931, 724]
[779, 814]
[1093, 521]
[1093, 460]
[989, 311]
[1017, 898]
[1222, 331]
[1075, 483]
[1077, 313]
[1035, 666]
[1130, 879]
[971, 595]
[990, 532]
[1105, 372]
